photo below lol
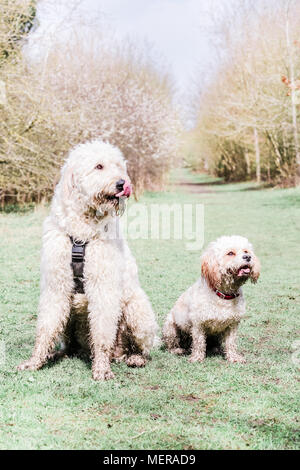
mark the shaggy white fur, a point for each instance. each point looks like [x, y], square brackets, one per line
[85, 206]
[200, 312]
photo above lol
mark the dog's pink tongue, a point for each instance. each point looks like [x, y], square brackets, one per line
[127, 190]
[244, 271]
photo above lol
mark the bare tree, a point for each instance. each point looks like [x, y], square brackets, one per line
[83, 89]
[245, 127]
[292, 80]
[257, 155]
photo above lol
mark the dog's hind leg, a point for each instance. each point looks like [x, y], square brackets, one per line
[230, 347]
[138, 315]
[141, 325]
[171, 336]
[119, 353]
[54, 305]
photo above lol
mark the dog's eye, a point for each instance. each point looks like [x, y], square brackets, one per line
[99, 167]
[246, 251]
[230, 253]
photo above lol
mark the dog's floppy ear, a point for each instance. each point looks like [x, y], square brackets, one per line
[210, 269]
[256, 269]
[68, 182]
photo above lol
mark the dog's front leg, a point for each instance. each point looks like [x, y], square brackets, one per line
[103, 291]
[104, 314]
[199, 344]
[230, 347]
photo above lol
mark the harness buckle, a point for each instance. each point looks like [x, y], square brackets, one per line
[77, 242]
[78, 253]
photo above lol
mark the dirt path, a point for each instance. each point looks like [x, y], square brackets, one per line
[185, 183]
[195, 188]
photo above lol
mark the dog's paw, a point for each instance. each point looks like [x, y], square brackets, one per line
[101, 375]
[236, 359]
[119, 359]
[136, 361]
[178, 351]
[30, 364]
[196, 358]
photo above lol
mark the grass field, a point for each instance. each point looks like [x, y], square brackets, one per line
[170, 404]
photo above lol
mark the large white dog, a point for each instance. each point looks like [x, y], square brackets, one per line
[106, 311]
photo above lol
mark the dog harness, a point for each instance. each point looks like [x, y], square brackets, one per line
[226, 296]
[78, 253]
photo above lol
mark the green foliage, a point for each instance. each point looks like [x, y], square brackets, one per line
[231, 164]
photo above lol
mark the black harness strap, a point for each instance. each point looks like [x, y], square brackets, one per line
[78, 253]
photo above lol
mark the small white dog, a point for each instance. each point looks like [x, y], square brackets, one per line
[108, 297]
[214, 305]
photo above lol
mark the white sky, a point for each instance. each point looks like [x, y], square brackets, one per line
[178, 29]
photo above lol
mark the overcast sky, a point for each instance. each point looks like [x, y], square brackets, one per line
[178, 29]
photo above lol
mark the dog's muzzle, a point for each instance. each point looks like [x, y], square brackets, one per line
[124, 188]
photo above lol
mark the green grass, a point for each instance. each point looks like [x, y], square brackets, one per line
[184, 174]
[170, 404]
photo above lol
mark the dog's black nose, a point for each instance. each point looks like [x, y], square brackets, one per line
[247, 258]
[120, 184]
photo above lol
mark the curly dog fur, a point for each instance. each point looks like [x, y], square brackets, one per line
[200, 313]
[113, 319]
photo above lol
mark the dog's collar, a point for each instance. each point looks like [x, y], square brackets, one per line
[225, 296]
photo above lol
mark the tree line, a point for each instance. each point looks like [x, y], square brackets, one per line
[247, 121]
[87, 86]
